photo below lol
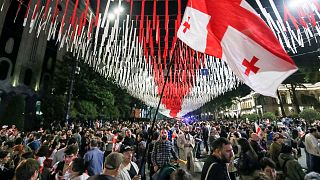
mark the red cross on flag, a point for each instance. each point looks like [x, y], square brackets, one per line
[232, 31]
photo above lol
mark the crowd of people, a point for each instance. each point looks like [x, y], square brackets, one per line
[120, 150]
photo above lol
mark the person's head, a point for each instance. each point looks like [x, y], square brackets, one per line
[127, 152]
[4, 157]
[109, 131]
[164, 134]
[141, 137]
[213, 131]
[93, 143]
[313, 131]
[286, 149]
[128, 133]
[254, 137]
[18, 141]
[55, 145]
[186, 129]
[71, 153]
[28, 169]
[279, 138]
[119, 138]
[77, 167]
[112, 164]
[181, 174]
[232, 129]
[71, 141]
[18, 149]
[268, 167]
[27, 155]
[36, 135]
[43, 151]
[244, 144]
[155, 135]
[222, 149]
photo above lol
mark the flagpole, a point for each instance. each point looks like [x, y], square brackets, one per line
[150, 134]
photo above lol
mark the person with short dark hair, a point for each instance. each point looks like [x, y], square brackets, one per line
[215, 166]
[77, 170]
[163, 151]
[312, 150]
[94, 159]
[61, 169]
[59, 155]
[27, 169]
[36, 143]
[268, 168]
[155, 138]
[289, 165]
[5, 171]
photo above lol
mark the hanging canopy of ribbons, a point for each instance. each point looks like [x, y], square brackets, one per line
[134, 42]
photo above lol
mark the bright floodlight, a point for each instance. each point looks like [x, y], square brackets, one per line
[118, 10]
[111, 16]
[296, 3]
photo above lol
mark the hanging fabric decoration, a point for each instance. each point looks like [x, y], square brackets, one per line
[135, 50]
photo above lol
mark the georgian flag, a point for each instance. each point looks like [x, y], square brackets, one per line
[232, 31]
[257, 128]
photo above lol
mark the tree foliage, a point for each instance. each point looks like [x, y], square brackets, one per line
[226, 100]
[251, 117]
[92, 95]
[14, 113]
[269, 115]
[309, 114]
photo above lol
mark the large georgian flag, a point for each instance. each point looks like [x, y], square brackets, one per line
[232, 31]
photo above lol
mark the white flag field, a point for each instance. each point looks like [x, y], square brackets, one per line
[232, 31]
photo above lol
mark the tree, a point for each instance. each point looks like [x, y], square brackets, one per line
[92, 95]
[309, 115]
[224, 101]
[253, 117]
[86, 109]
[269, 115]
[53, 108]
[14, 113]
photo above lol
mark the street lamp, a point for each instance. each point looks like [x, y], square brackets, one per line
[75, 70]
[296, 3]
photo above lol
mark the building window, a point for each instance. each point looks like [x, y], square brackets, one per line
[4, 69]
[283, 99]
[9, 46]
[27, 77]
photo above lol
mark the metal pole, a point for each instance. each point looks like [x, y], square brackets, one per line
[154, 118]
[69, 95]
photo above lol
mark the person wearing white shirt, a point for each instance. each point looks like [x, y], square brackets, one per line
[186, 143]
[129, 169]
[313, 150]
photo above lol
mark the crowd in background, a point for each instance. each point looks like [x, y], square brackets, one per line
[119, 150]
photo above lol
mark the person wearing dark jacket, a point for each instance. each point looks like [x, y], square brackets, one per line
[256, 145]
[248, 164]
[6, 173]
[215, 166]
[289, 165]
[129, 140]
[155, 138]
